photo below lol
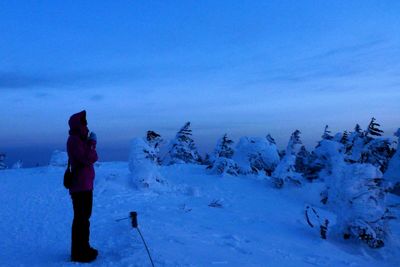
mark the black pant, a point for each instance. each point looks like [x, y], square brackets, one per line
[82, 202]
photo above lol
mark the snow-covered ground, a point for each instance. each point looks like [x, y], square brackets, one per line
[256, 225]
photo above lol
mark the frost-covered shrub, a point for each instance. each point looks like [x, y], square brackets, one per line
[356, 196]
[182, 148]
[392, 174]
[255, 154]
[3, 165]
[59, 158]
[143, 165]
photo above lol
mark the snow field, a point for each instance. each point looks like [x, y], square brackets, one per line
[257, 225]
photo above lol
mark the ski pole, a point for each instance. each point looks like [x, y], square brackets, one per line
[133, 216]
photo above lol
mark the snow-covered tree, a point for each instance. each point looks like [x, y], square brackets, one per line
[224, 147]
[222, 165]
[255, 154]
[182, 148]
[358, 129]
[373, 128]
[285, 172]
[270, 139]
[327, 134]
[282, 153]
[207, 160]
[154, 140]
[143, 165]
[378, 152]
[17, 165]
[392, 174]
[59, 158]
[294, 144]
[321, 164]
[358, 200]
[345, 141]
[369, 147]
[302, 160]
[355, 145]
[223, 162]
[344, 138]
[3, 165]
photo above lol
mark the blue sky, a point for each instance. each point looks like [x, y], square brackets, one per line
[241, 67]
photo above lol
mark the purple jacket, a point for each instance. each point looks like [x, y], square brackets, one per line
[81, 152]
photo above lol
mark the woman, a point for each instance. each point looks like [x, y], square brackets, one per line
[82, 155]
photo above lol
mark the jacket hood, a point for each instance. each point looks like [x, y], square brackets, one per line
[77, 123]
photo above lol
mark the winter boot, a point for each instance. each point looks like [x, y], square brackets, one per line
[88, 255]
[93, 251]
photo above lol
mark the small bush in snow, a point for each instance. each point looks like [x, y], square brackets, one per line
[216, 203]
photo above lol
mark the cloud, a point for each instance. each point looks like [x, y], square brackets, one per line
[96, 98]
[42, 95]
[349, 49]
[147, 73]
[373, 58]
[15, 80]
[27, 80]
